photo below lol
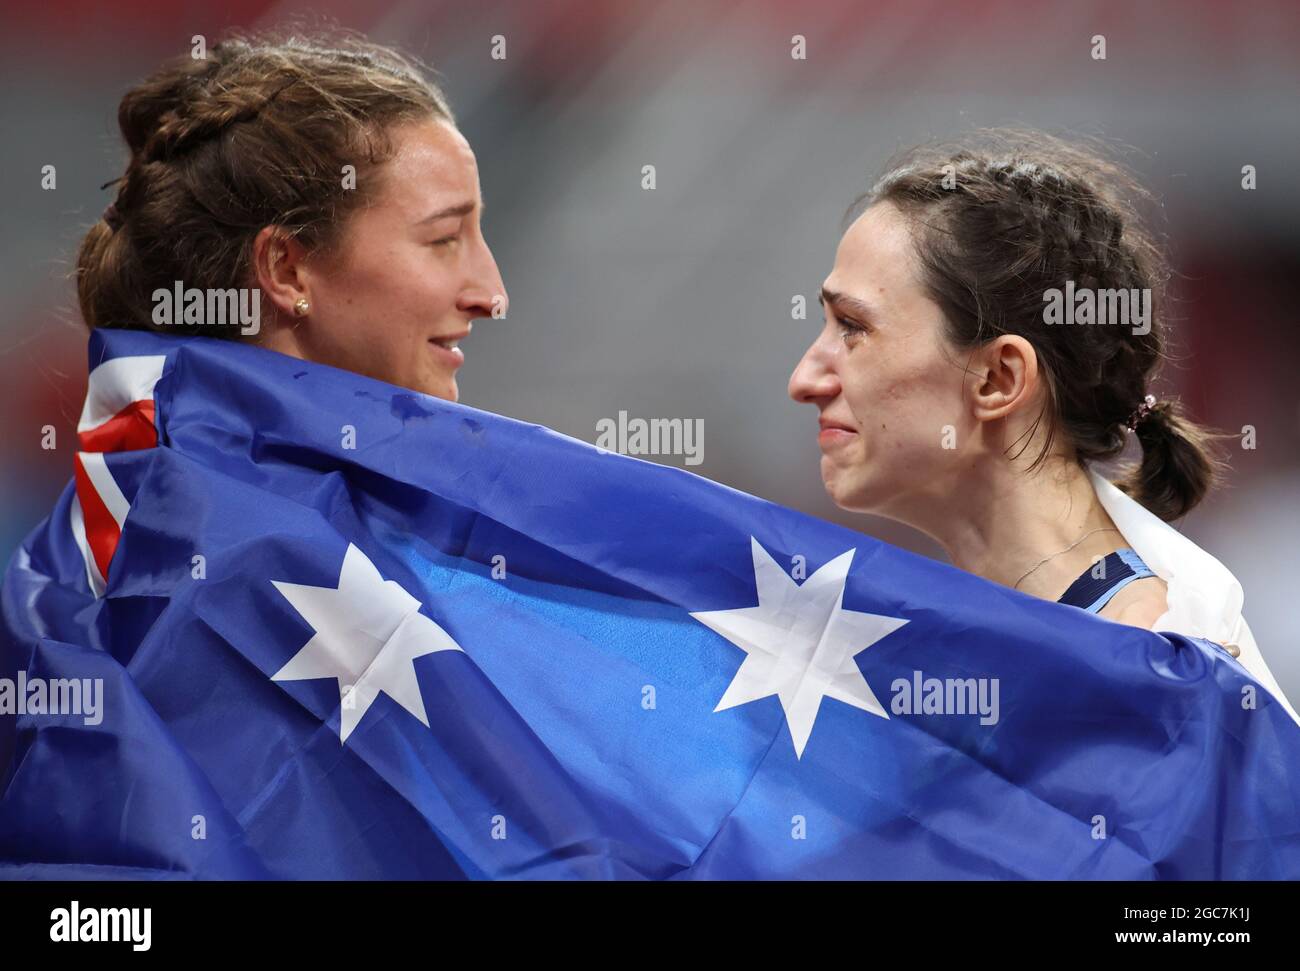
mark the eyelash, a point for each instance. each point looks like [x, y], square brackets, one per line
[849, 328]
[446, 240]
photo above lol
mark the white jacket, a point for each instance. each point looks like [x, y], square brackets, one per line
[1204, 598]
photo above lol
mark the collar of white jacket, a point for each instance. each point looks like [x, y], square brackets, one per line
[1204, 598]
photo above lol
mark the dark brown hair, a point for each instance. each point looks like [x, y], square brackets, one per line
[1000, 218]
[256, 133]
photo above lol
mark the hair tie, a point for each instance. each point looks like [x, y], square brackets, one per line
[1140, 413]
[112, 217]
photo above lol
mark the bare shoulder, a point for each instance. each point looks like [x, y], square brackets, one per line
[1140, 604]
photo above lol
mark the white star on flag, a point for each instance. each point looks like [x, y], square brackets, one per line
[800, 643]
[368, 632]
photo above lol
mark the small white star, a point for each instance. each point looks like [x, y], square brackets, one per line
[368, 632]
[800, 643]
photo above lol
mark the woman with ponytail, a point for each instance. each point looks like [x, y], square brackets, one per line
[960, 392]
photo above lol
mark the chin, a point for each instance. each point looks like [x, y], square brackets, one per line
[834, 482]
[444, 388]
[847, 492]
[851, 503]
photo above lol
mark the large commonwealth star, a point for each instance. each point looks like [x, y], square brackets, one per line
[800, 643]
[368, 632]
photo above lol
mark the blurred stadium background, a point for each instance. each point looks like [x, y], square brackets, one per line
[676, 302]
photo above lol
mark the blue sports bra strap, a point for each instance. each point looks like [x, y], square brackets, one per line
[1107, 577]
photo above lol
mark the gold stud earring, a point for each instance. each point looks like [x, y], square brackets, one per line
[301, 306]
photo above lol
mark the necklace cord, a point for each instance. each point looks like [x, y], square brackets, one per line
[1102, 529]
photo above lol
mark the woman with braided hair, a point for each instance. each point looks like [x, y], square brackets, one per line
[952, 400]
[329, 176]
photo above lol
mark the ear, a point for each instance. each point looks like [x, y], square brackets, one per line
[1004, 377]
[279, 270]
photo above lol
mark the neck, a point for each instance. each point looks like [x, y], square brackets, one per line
[1018, 528]
[281, 334]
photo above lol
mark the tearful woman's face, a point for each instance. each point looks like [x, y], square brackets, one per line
[882, 375]
[394, 300]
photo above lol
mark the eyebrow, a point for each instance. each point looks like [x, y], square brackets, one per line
[463, 209]
[854, 305]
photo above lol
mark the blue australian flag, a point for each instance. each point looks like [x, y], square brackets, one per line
[290, 622]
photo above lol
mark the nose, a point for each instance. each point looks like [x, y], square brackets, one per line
[814, 380]
[484, 293]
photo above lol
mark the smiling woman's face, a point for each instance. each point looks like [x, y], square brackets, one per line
[396, 295]
[882, 375]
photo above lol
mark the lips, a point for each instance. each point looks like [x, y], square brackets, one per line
[835, 433]
[828, 424]
[447, 348]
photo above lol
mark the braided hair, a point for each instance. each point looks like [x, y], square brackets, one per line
[255, 134]
[1003, 217]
